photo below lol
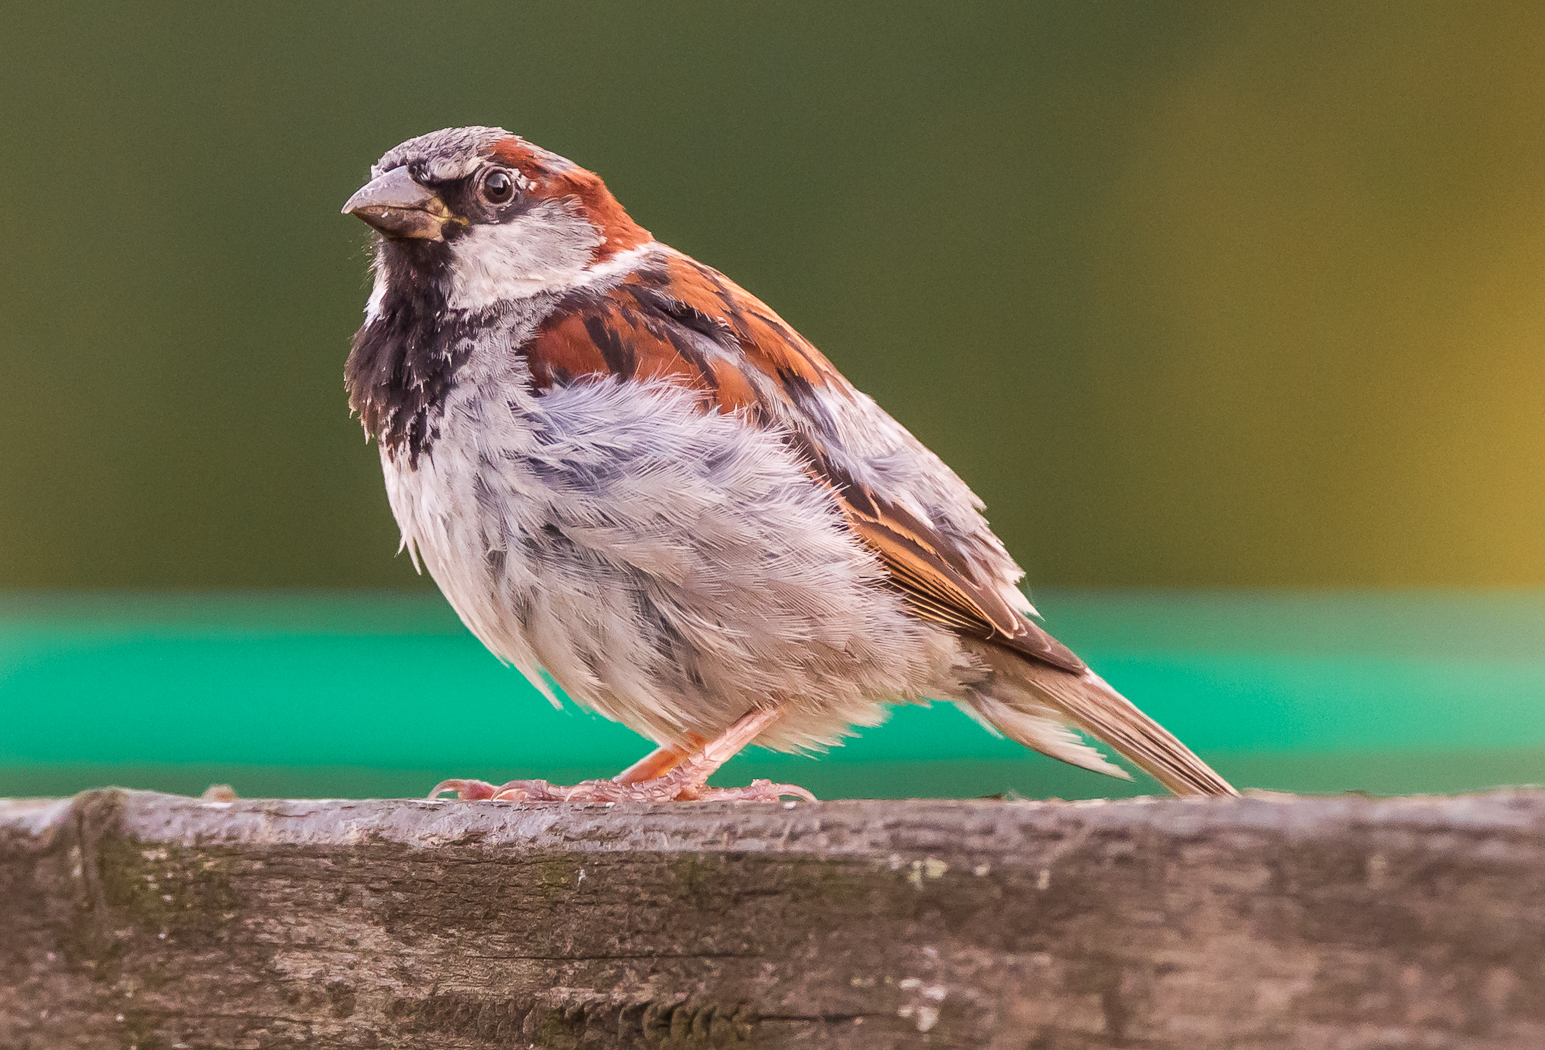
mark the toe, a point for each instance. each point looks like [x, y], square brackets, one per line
[757, 791]
[528, 791]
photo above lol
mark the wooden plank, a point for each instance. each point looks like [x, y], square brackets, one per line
[131, 919]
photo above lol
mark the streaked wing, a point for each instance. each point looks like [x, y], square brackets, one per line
[677, 320]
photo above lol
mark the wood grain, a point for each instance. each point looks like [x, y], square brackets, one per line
[131, 919]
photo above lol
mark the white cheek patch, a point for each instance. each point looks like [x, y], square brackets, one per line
[543, 249]
[377, 296]
[605, 274]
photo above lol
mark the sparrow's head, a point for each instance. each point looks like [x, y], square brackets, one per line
[477, 216]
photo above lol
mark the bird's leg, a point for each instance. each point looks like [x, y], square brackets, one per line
[660, 761]
[690, 778]
[666, 774]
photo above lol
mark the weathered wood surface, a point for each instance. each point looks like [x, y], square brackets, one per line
[131, 919]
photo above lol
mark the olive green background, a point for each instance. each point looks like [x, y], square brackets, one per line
[1192, 294]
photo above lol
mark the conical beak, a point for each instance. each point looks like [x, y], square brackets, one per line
[400, 207]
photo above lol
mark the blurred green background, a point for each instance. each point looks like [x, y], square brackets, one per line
[1202, 299]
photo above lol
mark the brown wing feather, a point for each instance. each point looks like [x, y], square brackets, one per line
[681, 321]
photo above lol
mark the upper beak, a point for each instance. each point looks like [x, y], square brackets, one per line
[400, 207]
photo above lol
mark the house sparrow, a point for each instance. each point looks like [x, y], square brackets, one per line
[627, 473]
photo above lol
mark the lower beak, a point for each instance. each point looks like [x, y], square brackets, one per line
[400, 208]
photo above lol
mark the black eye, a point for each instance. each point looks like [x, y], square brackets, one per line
[498, 187]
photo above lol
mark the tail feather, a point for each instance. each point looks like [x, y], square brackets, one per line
[1041, 729]
[1033, 703]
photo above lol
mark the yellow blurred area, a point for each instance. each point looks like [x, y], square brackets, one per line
[1328, 240]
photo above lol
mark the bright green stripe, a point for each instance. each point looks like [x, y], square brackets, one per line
[1472, 625]
[1320, 685]
[1387, 773]
[1287, 703]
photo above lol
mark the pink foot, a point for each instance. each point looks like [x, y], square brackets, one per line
[756, 791]
[512, 790]
[672, 787]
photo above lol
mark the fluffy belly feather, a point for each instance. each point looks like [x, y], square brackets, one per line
[669, 568]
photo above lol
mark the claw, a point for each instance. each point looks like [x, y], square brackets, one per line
[466, 790]
[509, 791]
